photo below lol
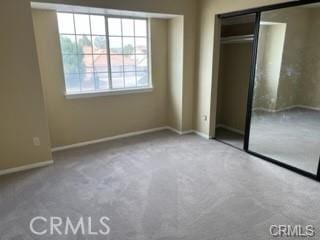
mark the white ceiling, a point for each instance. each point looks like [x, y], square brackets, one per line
[91, 10]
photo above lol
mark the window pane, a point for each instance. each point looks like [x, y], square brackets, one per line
[65, 22]
[129, 63]
[128, 45]
[72, 83]
[114, 26]
[87, 82]
[85, 63]
[100, 63]
[86, 58]
[141, 46]
[116, 63]
[102, 81]
[142, 62]
[68, 44]
[130, 79]
[115, 45]
[70, 63]
[127, 27]
[82, 23]
[117, 80]
[99, 44]
[142, 79]
[98, 25]
[140, 28]
[84, 44]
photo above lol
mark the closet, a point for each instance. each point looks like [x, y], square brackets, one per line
[236, 44]
[268, 93]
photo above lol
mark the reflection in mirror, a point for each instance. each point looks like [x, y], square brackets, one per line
[285, 123]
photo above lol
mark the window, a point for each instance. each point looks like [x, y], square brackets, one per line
[102, 53]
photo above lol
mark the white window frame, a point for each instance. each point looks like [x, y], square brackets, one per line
[111, 91]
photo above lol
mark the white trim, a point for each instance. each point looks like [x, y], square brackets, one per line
[106, 139]
[179, 132]
[25, 167]
[286, 108]
[275, 110]
[203, 135]
[230, 128]
[108, 93]
[125, 135]
[237, 39]
[96, 10]
[308, 107]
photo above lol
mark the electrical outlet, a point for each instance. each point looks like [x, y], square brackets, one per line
[36, 141]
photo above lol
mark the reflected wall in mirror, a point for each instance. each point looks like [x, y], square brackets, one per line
[285, 123]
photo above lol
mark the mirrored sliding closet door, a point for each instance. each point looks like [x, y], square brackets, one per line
[285, 118]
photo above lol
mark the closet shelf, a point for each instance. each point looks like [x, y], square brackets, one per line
[237, 39]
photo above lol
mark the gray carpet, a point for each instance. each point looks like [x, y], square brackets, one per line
[291, 136]
[161, 186]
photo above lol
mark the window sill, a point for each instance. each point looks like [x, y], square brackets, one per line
[107, 93]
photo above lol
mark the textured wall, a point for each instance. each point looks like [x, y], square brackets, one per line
[298, 60]
[309, 88]
[269, 60]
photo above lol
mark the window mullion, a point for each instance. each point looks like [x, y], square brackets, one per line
[93, 66]
[108, 52]
[148, 52]
[135, 52]
[123, 75]
[76, 41]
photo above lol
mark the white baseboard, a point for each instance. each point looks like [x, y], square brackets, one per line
[308, 107]
[275, 110]
[286, 108]
[179, 132]
[81, 144]
[106, 139]
[203, 135]
[25, 167]
[230, 128]
[46, 163]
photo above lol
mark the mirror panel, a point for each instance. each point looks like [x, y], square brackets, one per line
[285, 122]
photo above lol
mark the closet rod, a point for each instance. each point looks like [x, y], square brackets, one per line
[237, 39]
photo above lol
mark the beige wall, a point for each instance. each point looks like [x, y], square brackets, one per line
[234, 74]
[21, 95]
[186, 8]
[175, 73]
[21, 100]
[77, 120]
[206, 80]
[233, 84]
